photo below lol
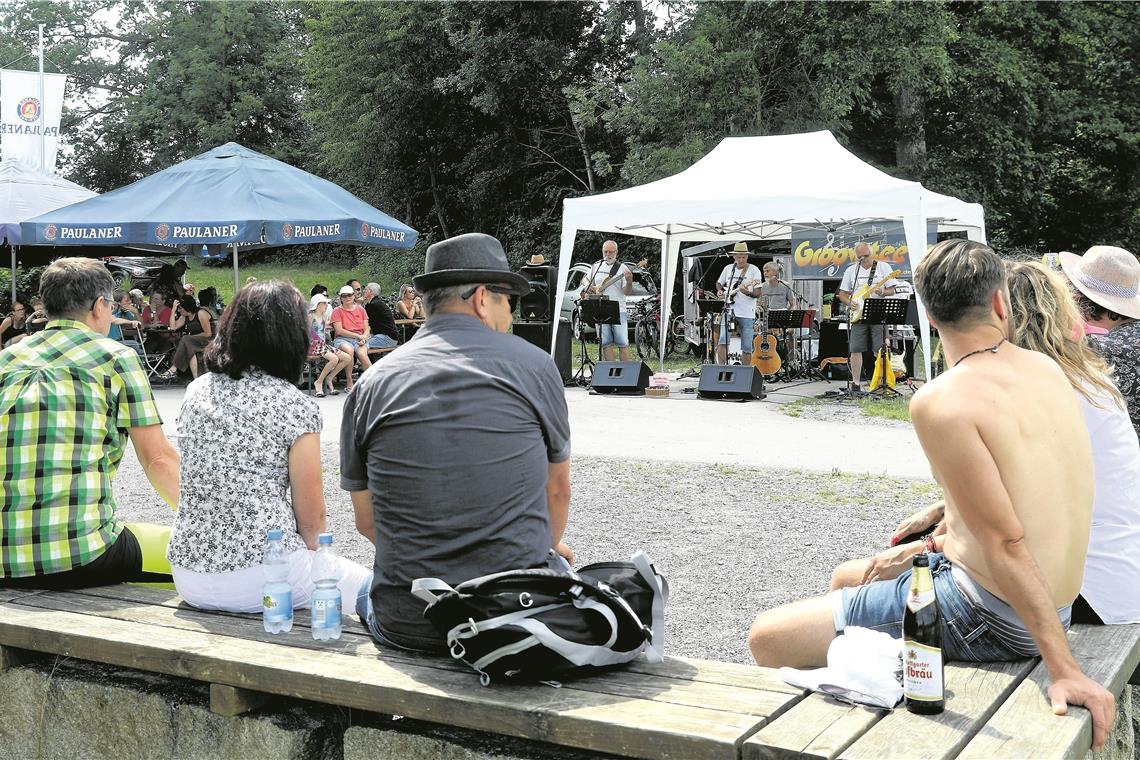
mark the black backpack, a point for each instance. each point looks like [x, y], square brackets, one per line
[541, 625]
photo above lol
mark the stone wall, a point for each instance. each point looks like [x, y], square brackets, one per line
[53, 707]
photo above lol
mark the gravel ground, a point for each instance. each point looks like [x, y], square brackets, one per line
[730, 540]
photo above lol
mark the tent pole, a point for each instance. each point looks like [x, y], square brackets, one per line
[12, 248]
[233, 247]
[666, 296]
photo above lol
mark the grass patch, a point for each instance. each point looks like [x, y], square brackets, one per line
[888, 409]
[796, 408]
[303, 276]
[673, 363]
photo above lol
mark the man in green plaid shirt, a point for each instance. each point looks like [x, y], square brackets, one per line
[69, 398]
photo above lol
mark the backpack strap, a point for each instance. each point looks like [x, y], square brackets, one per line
[656, 651]
[430, 589]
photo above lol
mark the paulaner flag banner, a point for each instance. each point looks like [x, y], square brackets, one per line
[24, 119]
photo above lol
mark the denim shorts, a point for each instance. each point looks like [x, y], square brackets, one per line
[615, 334]
[746, 333]
[351, 343]
[879, 606]
[381, 341]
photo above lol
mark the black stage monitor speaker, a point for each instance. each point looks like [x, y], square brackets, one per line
[730, 381]
[538, 334]
[538, 304]
[620, 377]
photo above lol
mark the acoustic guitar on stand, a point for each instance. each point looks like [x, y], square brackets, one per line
[764, 355]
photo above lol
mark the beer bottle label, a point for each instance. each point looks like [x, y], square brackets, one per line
[917, 599]
[922, 672]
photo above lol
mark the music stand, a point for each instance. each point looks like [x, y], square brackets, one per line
[593, 312]
[883, 311]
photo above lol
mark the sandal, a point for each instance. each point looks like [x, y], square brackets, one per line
[319, 394]
[334, 392]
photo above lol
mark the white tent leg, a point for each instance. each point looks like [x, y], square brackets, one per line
[233, 246]
[565, 253]
[914, 226]
[668, 274]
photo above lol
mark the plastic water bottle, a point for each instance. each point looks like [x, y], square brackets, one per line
[326, 592]
[277, 596]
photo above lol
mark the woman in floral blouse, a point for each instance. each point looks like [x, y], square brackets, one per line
[251, 459]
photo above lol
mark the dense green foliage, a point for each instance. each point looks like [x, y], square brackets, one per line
[460, 116]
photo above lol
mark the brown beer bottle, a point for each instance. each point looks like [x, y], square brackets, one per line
[922, 643]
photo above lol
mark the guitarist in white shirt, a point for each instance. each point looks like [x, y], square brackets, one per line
[742, 280]
[608, 269]
[866, 271]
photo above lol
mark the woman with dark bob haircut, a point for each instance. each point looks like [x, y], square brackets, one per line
[251, 459]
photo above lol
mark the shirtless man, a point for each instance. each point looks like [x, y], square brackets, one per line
[1005, 439]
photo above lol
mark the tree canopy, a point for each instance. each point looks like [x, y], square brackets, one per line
[463, 116]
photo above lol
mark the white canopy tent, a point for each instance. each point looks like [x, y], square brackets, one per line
[756, 188]
[26, 192]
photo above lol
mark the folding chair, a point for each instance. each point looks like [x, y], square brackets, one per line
[153, 363]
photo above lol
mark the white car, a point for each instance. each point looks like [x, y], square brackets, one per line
[643, 288]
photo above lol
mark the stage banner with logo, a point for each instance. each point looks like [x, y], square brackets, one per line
[821, 254]
[24, 120]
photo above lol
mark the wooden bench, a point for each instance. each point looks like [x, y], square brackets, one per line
[681, 708]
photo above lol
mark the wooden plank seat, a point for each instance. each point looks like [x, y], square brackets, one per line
[374, 353]
[681, 708]
[677, 709]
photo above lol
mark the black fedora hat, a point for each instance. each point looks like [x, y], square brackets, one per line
[468, 259]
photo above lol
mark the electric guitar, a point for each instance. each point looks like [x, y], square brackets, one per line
[597, 290]
[859, 298]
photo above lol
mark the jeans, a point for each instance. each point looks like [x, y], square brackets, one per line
[746, 332]
[381, 341]
[615, 334]
[880, 606]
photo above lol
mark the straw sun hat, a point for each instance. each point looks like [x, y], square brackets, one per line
[1108, 276]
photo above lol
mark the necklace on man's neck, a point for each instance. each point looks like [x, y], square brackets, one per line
[992, 349]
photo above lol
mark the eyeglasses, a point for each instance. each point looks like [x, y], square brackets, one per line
[503, 290]
[106, 299]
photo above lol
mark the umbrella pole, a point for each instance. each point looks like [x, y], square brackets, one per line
[12, 248]
[233, 246]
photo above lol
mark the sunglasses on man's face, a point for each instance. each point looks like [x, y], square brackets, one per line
[512, 297]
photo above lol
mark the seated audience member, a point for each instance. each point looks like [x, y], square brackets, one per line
[410, 305]
[38, 318]
[169, 280]
[477, 485]
[1045, 319]
[1107, 284]
[251, 459]
[198, 320]
[126, 316]
[318, 288]
[57, 506]
[138, 300]
[357, 291]
[319, 347]
[350, 332]
[1019, 498]
[156, 317]
[15, 326]
[381, 320]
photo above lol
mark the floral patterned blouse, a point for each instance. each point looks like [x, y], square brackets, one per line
[234, 437]
[1121, 349]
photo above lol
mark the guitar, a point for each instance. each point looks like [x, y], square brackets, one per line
[597, 290]
[764, 355]
[859, 298]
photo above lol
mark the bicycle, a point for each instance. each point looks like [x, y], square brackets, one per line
[647, 332]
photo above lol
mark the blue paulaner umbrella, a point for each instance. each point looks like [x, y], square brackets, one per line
[230, 196]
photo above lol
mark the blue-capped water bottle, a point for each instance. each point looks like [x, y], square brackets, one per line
[326, 592]
[277, 596]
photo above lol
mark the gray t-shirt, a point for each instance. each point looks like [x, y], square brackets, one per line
[453, 434]
[778, 296]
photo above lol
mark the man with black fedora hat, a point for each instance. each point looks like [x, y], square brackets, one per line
[456, 448]
[1107, 284]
